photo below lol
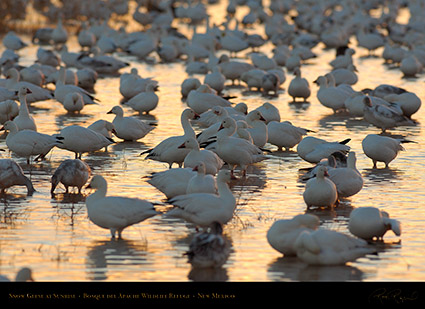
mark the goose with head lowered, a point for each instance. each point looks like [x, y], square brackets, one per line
[313, 149]
[11, 174]
[115, 212]
[27, 143]
[24, 121]
[202, 209]
[70, 173]
[167, 150]
[128, 128]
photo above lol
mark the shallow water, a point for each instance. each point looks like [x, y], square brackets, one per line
[55, 237]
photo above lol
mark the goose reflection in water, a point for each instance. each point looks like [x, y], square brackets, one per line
[106, 255]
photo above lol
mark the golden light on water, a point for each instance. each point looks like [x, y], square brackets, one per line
[56, 238]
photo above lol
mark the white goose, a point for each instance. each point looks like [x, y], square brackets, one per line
[285, 134]
[370, 222]
[328, 247]
[343, 61]
[9, 109]
[269, 112]
[209, 248]
[233, 69]
[202, 99]
[408, 102]
[73, 102]
[382, 148]
[81, 140]
[189, 84]
[115, 212]
[202, 209]
[145, 102]
[215, 79]
[236, 151]
[345, 75]
[171, 182]
[71, 173]
[320, 191]
[13, 42]
[167, 150]
[62, 89]
[299, 87]
[313, 149]
[13, 83]
[11, 174]
[211, 161]
[330, 96]
[282, 234]
[201, 182]
[257, 128]
[24, 121]
[59, 34]
[348, 180]
[27, 143]
[212, 116]
[128, 128]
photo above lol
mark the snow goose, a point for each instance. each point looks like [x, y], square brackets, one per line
[59, 34]
[320, 191]
[355, 106]
[232, 43]
[269, 112]
[48, 57]
[85, 37]
[212, 116]
[285, 134]
[23, 275]
[32, 75]
[282, 234]
[70, 173]
[81, 140]
[236, 151]
[201, 99]
[382, 148]
[270, 82]
[171, 182]
[201, 182]
[209, 249]
[13, 42]
[167, 150]
[408, 102]
[189, 84]
[383, 90]
[62, 89]
[215, 79]
[313, 149]
[253, 78]
[242, 132]
[382, 116]
[370, 222]
[299, 86]
[27, 143]
[132, 84]
[262, 61]
[145, 102]
[115, 212]
[411, 66]
[9, 109]
[348, 180]
[369, 40]
[86, 78]
[103, 127]
[11, 174]
[24, 121]
[128, 128]
[328, 247]
[345, 75]
[257, 128]
[202, 209]
[329, 96]
[6, 94]
[71, 77]
[14, 83]
[233, 69]
[343, 61]
[211, 161]
[102, 64]
[73, 102]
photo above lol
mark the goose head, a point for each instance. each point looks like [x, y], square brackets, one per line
[367, 101]
[228, 123]
[255, 115]
[200, 168]
[12, 74]
[117, 110]
[224, 175]
[190, 114]
[322, 171]
[97, 182]
[24, 91]
[242, 107]
[9, 126]
[190, 143]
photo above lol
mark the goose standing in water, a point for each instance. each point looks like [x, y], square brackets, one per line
[370, 222]
[282, 234]
[285, 134]
[11, 174]
[201, 182]
[320, 191]
[73, 102]
[24, 121]
[71, 173]
[257, 128]
[313, 149]
[115, 212]
[128, 128]
[145, 102]
[299, 87]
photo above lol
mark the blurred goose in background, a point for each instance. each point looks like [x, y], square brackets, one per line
[24, 121]
[313, 149]
[369, 40]
[215, 79]
[27, 143]
[167, 150]
[345, 75]
[145, 102]
[131, 84]
[257, 128]
[11, 174]
[101, 63]
[9, 109]
[13, 42]
[115, 213]
[201, 182]
[299, 87]
[285, 134]
[202, 99]
[128, 128]
[328, 247]
[409, 102]
[70, 173]
[209, 249]
[330, 96]
[381, 148]
[23, 275]
[59, 34]
[282, 234]
[189, 84]
[370, 222]
[269, 112]
[73, 102]
[85, 37]
[233, 69]
[343, 61]
[320, 191]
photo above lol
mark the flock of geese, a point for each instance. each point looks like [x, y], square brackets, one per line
[227, 134]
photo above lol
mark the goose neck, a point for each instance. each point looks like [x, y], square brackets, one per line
[23, 108]
[187, 127]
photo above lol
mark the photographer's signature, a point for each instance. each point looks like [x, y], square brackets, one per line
[396, 296]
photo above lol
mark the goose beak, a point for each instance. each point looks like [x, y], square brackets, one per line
[195, 169]
[110, 112]
[182, 146]
[262, 118]
[196, 116]
[2, 129]
[326, 174]
[28, 91]
[221, 127]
